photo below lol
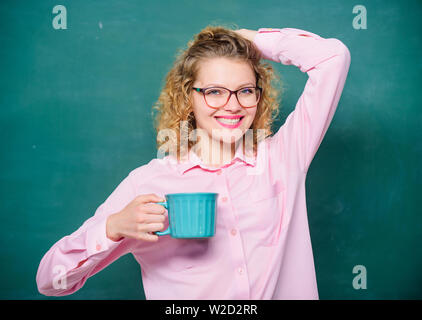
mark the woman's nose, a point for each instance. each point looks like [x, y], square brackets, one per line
[232, 104]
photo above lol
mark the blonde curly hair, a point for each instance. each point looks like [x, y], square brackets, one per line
[174, 105]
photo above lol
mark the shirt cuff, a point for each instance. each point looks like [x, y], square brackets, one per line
[265, 41]
[97, 240]
[286, 46]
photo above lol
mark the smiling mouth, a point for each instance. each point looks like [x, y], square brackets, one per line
[229, 123]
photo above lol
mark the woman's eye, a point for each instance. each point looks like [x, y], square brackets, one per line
[213, 92]
[246, 91]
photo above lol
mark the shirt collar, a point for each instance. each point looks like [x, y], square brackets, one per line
[195, 161]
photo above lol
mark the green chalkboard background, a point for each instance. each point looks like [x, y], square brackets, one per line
[75, 118]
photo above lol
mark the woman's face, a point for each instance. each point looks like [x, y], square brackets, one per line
[231, 74]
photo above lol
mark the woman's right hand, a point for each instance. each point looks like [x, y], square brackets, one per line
[138, 219]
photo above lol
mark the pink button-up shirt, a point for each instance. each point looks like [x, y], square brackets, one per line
[262, 247]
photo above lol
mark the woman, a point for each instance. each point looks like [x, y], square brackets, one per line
[220, 88]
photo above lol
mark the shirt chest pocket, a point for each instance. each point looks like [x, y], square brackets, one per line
[267, 205]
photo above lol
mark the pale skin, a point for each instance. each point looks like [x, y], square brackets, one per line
[218, 145]
[142, 217]
[233, 75]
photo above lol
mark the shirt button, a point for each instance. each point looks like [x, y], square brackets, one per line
[218, 172]
[224, 199]
[240, 270]
[233, 232]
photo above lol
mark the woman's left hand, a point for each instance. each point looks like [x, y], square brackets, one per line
[246, 33]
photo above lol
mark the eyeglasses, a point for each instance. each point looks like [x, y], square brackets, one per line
[218, 97]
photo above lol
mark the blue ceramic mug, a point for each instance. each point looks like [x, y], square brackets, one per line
[191, 215]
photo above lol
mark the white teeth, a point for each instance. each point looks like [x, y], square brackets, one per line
[228, 121]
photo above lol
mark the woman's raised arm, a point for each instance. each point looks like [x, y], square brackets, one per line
[326, 61]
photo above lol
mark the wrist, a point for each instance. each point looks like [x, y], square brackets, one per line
[248, 34]
[111, 231]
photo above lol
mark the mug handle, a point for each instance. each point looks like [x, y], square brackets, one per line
[167, 231]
